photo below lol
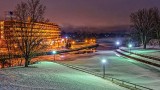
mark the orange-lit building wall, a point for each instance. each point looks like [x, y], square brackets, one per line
[50, 32]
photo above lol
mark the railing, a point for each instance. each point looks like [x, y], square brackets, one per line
[119, 82]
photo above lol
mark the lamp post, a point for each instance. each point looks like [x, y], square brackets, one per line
[103, 65]
[130, 46]
[117, 44]
[54, 53]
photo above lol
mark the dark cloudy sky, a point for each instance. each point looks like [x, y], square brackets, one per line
[88, 12]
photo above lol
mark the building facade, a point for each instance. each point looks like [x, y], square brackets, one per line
[50, 32]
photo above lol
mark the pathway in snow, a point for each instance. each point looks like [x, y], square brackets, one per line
[51, 76]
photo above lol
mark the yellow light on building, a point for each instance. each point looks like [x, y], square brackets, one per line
[62, 40]
[15, 46]
[2, 36]
[2, 23]
[86, 41]
[2, 27]
[48, 31]
[73, 42]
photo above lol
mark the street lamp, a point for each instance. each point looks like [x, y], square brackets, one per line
[66, 39]
[54, 53]
[117, 44]
[130, 46]
[104, 64]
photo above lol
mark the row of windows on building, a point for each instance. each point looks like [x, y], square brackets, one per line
[44, 30]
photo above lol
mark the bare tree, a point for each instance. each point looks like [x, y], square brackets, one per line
[157, 25]
[144, 23]
[28, 42]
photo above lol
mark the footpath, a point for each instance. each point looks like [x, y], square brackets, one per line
[146, 58]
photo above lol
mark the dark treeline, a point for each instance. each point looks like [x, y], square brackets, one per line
[81, 33]
[146, 25]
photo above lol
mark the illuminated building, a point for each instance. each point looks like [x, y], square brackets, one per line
[50, 32]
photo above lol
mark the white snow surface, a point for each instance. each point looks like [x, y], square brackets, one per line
[120, 67]
[51, 76]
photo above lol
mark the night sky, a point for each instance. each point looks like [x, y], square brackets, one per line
[87, 12]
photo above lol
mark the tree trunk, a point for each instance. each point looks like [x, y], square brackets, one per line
[144, 46]
[21, 62]
[144, 41]
[26, 62]
[159, 42]
[2, 65]
[3, 62]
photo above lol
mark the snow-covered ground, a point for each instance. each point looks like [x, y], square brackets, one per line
[51, 76]
[153, 52]
[120, 67]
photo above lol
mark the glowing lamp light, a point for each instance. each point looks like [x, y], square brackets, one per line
[15, 46]
[104, 66]
[129, 45]
[117, 43]
[62, 40]
[1, 23]
[54, 52]
[103, 61]
[86, 41]
[73, 42]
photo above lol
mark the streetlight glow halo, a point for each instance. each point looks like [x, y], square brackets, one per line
[103, 61]
[54, 52]
[130, 45]
[117, 43]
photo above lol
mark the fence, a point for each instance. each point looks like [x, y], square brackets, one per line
[119, 82]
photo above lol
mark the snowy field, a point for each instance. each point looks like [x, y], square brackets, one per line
[120, 68]
[51, 76]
